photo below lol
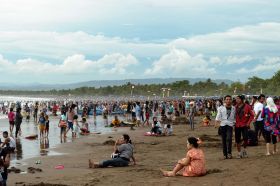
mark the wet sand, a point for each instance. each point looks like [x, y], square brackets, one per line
[35, 148]
[152, 153]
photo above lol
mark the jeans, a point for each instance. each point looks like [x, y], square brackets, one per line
[192, 122]
[226, 133]
[116, 162]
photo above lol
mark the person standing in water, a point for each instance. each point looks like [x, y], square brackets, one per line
[11, 117]
[18, 121]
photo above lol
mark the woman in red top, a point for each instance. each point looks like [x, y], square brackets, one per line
[11, 117]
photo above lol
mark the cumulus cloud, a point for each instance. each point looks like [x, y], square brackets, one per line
[113, 64]
[206, 54]
[60, 45]
[179, 63]
[253, 40]
[270, 64]
[230, 60]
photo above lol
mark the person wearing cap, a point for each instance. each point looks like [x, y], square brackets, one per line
[244, 117]
[225, 119]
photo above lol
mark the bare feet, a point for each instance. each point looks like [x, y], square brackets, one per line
[167, 173]
[90, 164]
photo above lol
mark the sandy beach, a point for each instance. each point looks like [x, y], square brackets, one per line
[152, 153]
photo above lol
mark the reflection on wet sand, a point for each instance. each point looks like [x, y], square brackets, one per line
[44, 146]
[33, 147]
[18, 151]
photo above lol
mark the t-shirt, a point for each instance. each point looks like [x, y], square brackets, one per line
[168, 128]
[42, 120]
[126, 150]
[11, 116]
[12, 142]
[63, 117]
[258, 107]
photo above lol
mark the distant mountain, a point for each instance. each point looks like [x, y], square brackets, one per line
[102, 83]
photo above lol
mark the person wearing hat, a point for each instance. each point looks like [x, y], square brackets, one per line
[244, 117]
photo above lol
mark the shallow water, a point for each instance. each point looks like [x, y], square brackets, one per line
[36, 148]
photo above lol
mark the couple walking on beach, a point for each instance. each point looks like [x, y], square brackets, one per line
[240, 117]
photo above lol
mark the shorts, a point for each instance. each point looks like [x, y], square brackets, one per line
[62, 130]
[70, 125]
[138, 118]
[42, 127]
[12, 122]
[241, 131]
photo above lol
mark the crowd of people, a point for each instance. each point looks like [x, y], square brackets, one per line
[263, 112]
[231, 115]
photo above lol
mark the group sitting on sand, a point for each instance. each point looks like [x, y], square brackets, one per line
[192, 165]
[157, 129]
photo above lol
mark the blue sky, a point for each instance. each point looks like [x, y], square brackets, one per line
[66, 41]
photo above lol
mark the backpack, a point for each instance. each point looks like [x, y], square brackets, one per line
[252, 138]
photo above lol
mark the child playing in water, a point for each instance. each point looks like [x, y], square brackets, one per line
[42, 124]
[62, 124]
[76, 126]
[84, 129]
[47, 127]
[193, 164]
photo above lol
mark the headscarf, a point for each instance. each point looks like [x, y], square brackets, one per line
[271, 105]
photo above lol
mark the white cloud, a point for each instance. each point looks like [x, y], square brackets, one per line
[113, 64]
[179, 63]
[60, 45]
[270, 64]
[194, 56]
[253, 40]
[230, 60]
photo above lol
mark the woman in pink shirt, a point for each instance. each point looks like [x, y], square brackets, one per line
[193, 164]
[11, 117]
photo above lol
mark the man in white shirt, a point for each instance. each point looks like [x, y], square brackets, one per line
[258, 120]
[226, 120]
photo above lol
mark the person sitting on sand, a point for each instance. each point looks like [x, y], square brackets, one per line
[124, 148]
[193, 164]
[84, 129]
[168, 130]
[156, 127]
[206, 121]
[9, 142]
[116, 122]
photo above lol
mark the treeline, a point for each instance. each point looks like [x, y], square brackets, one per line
[254, 85]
